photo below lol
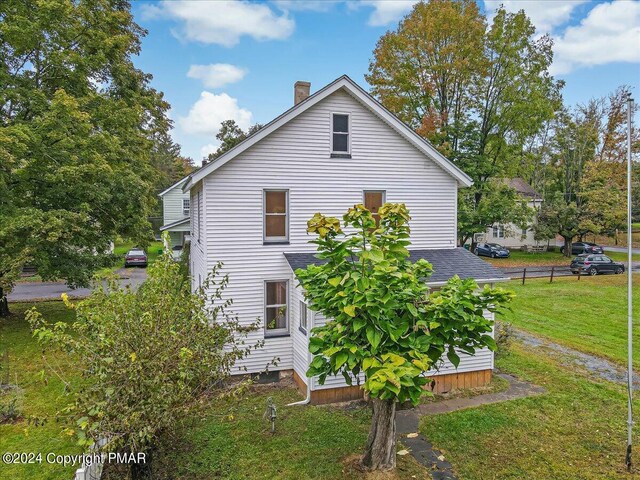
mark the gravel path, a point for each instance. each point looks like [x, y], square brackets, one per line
[594, 365]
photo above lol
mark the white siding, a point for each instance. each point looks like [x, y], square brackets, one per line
[296, 158]
[172, 205]
[197, 255]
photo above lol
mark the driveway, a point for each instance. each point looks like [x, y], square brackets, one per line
[52, 290]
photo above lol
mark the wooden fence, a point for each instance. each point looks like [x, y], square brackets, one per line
[543, 271]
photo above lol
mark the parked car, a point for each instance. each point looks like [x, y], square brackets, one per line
[584, 247]
[595, 264]
[136, 257]
[176, 252]
[493, 250]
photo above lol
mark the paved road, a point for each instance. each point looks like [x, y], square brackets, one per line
[52, 290]
[620, 249]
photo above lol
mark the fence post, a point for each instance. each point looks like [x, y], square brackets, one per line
[552, 269]
[579, 274]
[524, 274]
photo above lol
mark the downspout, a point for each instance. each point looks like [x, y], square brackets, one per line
[309, 379]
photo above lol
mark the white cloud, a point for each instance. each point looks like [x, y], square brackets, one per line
[306, 5]
[216, 75]
[544, 15]
[609, 33]
[223, 22]
[207, 149]
[384, 11]
[206, 115]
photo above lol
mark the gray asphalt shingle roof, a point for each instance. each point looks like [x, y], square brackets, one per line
[446, 262]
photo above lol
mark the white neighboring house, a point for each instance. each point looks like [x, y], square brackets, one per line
[510, 235]
[176, 215]
[331, 150]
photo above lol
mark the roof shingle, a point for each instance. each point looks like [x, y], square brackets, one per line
[446, 262]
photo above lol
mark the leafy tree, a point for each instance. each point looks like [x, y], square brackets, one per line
[558, 217]
[479, 95]
[76, 126]
[230, 135]
[166, 158]
[146, 356]
[387, 328]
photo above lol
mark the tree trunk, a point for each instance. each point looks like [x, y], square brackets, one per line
[4, 304]
[380, 453]
[567, 246]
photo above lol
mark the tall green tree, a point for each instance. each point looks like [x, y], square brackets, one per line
[386, 326]
[478, 94]
[77, 122]
[230, 135]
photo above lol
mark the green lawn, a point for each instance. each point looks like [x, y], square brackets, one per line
[577, 430]
[234, 441]
[589, 315]
[519, 258]
[42, 399]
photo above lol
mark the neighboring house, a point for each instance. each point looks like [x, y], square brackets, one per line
[511, 235]
[333, 149]
[176, 214]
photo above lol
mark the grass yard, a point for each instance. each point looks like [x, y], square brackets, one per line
[233, 441]
[518, 259]
[41, 399]
[577, 430]
[589, 315]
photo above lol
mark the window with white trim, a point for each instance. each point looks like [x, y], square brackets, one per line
[276, 216]
[199, 206]
[340, 133]
[186, 203]
[305, 317]
[276, 314]
[498, 231]
[373, 200]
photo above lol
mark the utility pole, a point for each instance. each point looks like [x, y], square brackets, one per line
[629, 290]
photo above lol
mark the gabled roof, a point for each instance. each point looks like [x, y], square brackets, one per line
[521, 186]
[446, 263]
[177, 184]
[360, 94]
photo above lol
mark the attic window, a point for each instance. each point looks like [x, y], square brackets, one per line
[340, 129]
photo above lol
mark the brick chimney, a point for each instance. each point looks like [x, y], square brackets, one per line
[300, 91]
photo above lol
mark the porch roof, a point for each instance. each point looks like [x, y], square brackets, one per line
[446, 262]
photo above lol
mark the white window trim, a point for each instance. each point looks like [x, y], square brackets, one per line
[497, 230]
[186, 210]
[383, 192]
[279, 332]
[340, 152]
[275, 240]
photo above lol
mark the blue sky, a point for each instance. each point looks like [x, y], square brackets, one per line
[216, 60]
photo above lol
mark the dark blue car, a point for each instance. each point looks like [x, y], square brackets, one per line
[493, 250]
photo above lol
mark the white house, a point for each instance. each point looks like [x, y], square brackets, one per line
[176, 216]
[331, 150]
[511, 235]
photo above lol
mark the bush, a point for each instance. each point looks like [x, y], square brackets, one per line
[11, 401]
[504, 338]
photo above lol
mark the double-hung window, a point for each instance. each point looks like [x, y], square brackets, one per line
[305, 317]
[340, 133]
[186, 206]
[498, 231]
[276, 216]
[373, 200]
[275, 309]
